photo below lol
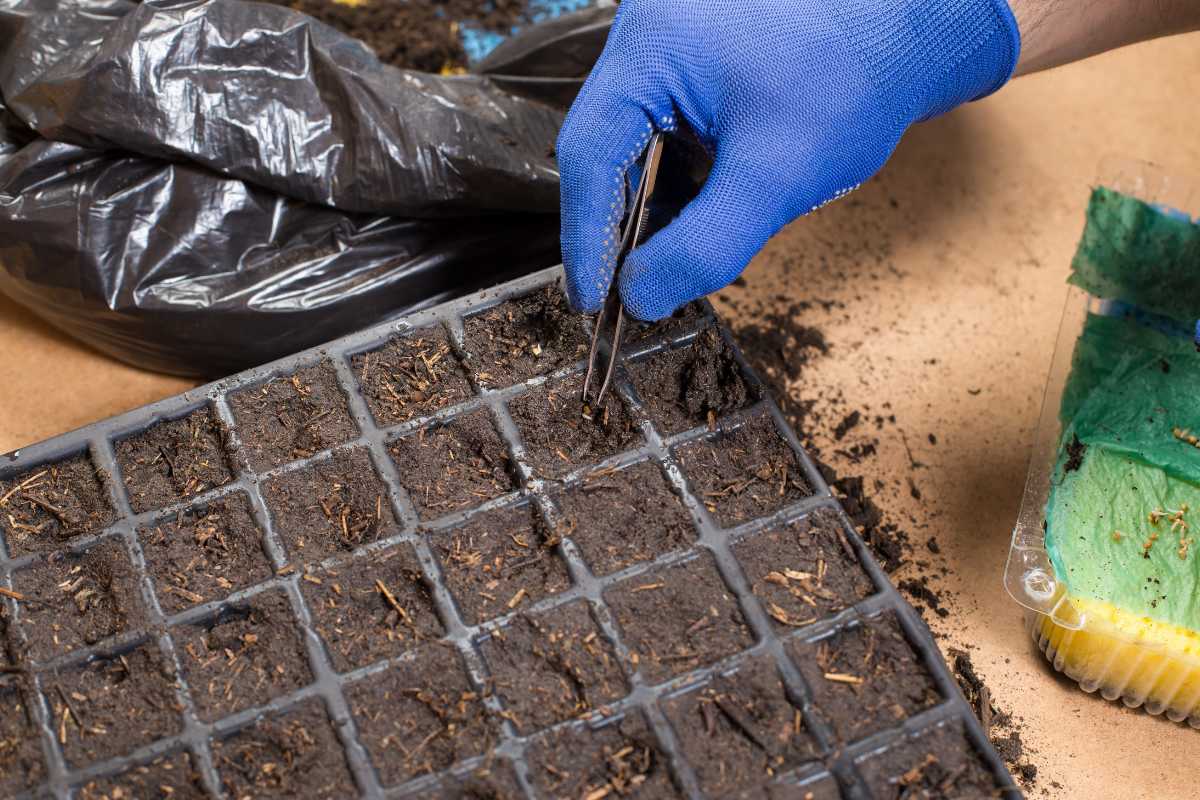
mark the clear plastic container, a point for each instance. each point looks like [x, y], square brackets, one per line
[1143, 662]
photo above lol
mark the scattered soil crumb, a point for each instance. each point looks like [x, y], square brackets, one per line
[42, 509]
[998, 724]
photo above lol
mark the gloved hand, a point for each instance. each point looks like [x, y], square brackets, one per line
[799, 100]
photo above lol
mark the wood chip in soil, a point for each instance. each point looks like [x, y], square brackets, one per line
[450, 466]
[22, 765]
[204, 554]
[376, 607]
[173, 460]
[411, 376]
[171, 777]
[936, 763]
[291, 417]
[621, 517]
[865, 678]
[421, 716]
[42, 509]
[679, 618]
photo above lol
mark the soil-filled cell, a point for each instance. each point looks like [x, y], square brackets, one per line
[552, 667]
[518, 339]
[113, 704]
[865, 678]
[171, 777]
[499, 562]
[450, 466]
[495, 780]
[411, 376]
[677, 619]
[683, 320]
[804, 571]
[42, 509]
[692, 385]
[21, 762]
[620, 517]
[330, 507]
[937, 763]
[292, 417]
[741, 729]
[74, 600]
[292, 753]
[248, 654]
[376, 607]
[173, 460]
[620, 758]
[421, 716]
[203, 554]
[561, 434]
[743, 473]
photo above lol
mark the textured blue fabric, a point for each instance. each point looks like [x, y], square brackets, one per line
[799, 101]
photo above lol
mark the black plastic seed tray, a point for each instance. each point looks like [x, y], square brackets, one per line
[402, 565]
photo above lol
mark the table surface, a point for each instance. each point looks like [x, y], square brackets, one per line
[945, 277]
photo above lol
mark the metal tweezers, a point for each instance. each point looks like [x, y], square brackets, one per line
[631, 237]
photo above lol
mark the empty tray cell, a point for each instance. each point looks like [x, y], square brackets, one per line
[112, 704]
[749, 471]
[292, 417]
[938, 762]
[620, 517]
[292, 753]
[171, 777]
[21, 761]
[246, 655]
[421, 716]
[803, 571]
[559, 438]
[372, 608]
[411, 376]
[449, 466]
[500, 561]
[73, 600]
[678, 618]
[741, 729]
[616, 758]
[330, 507]
[47, 506]
[865, 677]
[173, 460]
[495, 780]
[552, 667]
[518, 339]
[204, 554]
[682, 321]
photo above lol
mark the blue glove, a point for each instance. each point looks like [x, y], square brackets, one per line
[800, 101]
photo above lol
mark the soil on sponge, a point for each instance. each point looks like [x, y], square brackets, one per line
[44, 508]
[173, 460]
[521, 338]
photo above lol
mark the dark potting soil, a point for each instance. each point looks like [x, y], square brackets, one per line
[169, 777]
[742, 729]
[411, 376]
[330, 507]
[804, 571]
[865, 678]
[294, 753]
[73, 600]
[999, 726]
[173, 460]
[21, 762]
[561, 434]
[495, 780]
[551, 667]
[682, 321]
[691, 385]
[449, 466]
[42, 509]
[421, 716]
[937, 763]
[500, 561]
[678, 619]
[373, 608]
[113, 704]
[292, 417]
[518, 339]
[618, 758]
[204, 554]
[246, 655]
[620, 517]
[743, 473]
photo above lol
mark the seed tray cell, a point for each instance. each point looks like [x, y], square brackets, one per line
[423, 597]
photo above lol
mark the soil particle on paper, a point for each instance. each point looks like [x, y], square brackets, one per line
[999, 725]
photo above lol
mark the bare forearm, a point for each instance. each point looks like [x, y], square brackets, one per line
[1055, 32]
